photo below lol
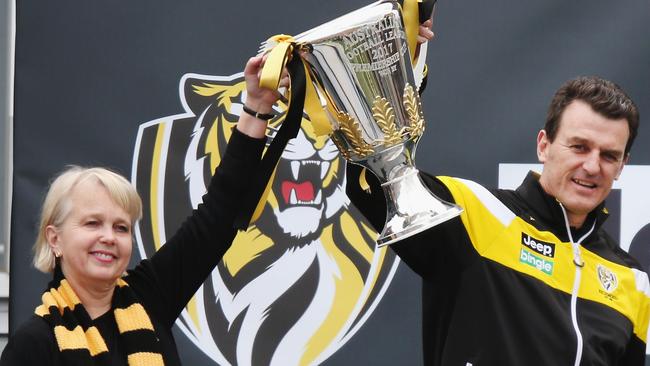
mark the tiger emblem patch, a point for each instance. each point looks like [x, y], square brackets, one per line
[607, 278]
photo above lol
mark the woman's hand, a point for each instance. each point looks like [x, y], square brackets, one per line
[258, 99]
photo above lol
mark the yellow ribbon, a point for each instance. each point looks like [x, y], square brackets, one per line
[274, 66]
[276, 60]
[410, 14]
[272, 71]
[314, 108]
[363, 182]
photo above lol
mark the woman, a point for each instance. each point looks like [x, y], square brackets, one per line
[93, 313]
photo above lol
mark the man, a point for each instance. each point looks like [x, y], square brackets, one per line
[528, 277]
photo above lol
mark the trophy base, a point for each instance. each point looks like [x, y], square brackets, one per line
[412, 208]
[425, 223]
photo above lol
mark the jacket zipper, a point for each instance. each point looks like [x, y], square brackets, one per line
[579, 263]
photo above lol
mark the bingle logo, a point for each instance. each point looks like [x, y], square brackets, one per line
[532, 260]
[541, 247]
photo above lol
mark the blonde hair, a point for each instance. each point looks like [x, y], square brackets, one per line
[57, 205]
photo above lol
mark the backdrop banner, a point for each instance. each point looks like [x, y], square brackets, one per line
[152, 88]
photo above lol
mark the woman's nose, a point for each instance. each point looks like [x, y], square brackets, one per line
[107, 235]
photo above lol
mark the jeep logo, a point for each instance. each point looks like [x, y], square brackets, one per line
[543, 248]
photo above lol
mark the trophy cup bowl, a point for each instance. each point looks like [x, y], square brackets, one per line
[360, 65]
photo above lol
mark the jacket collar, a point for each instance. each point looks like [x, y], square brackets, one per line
[547, 208]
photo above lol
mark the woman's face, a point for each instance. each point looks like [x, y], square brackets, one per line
[95, 240]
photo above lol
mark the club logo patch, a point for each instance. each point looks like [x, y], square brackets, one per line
[607, 278]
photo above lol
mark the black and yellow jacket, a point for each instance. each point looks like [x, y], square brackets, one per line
[507, 283]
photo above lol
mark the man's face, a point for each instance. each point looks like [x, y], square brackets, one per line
[583, 161]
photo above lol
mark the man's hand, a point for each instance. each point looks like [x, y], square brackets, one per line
[425, 33]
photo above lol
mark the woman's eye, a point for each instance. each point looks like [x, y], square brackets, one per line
[123, 228]
[92, 223]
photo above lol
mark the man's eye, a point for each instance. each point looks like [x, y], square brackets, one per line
[611, 158]
[578, 148]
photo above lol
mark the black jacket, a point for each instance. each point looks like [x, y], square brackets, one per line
[498, 280]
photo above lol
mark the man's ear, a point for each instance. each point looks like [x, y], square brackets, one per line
[542, 145]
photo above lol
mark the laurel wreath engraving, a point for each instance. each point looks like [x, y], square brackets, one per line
[413, 109]
[384, 114]
[385, 117]
[352, 131]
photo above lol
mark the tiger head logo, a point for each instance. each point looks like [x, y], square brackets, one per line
[303, 278]
[607, 278]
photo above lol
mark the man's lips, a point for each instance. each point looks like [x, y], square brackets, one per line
[584, 183]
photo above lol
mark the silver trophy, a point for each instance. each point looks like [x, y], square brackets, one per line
[360, 64]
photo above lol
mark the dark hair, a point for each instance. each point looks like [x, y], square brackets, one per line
[604, 97]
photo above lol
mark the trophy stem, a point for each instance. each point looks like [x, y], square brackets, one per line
[412, 207]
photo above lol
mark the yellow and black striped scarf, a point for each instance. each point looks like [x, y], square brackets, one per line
[80, 342]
